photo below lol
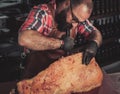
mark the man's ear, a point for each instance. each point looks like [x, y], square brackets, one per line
[63, 5]
[67, 2]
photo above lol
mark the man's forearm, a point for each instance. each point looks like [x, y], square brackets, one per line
[36, 41]
[44, 43]
[97, 37]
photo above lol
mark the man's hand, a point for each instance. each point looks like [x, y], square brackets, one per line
[89, 52]
[68, 43]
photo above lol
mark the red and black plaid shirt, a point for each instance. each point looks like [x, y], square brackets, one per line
[40, 19]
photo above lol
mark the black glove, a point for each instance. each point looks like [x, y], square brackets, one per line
[68, 43]
[89, 52]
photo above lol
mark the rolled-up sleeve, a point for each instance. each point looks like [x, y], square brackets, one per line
[85, 28]
[34, 21]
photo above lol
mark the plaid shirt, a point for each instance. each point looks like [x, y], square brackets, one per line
[40, 19]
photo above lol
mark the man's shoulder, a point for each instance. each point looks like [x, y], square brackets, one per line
[41, 6]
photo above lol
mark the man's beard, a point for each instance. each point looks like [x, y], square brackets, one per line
[60, 18]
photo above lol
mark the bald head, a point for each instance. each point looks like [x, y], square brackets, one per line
[88, 4]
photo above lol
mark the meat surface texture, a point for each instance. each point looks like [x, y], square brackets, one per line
[64, 76]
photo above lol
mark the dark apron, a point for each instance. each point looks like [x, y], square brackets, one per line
[37, 61]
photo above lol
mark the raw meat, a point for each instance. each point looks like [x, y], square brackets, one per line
[64, 76]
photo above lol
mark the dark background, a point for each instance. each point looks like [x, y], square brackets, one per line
[105, 16]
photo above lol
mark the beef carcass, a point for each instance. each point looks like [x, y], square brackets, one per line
[65, 76]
